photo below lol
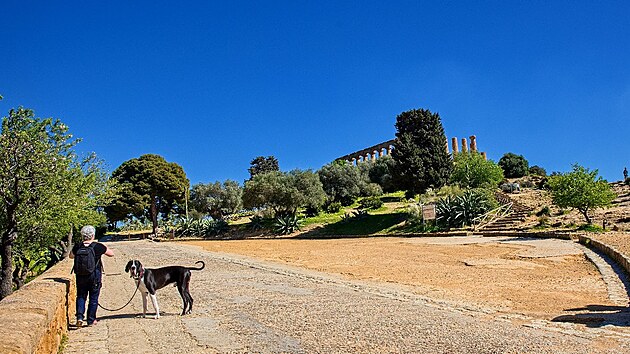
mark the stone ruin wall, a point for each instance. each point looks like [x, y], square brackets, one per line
[385, 148]
[35, 318]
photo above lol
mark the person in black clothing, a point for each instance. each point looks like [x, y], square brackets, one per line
[89, 284]
[625, 173]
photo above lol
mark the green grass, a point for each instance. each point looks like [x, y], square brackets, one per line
[367, 225]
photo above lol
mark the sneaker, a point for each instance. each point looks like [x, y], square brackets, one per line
[79, 323]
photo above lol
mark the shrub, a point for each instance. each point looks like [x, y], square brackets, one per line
[545, 211]
[628, 181]
[537, 171]
[471, 170]
[311, 211]
[333, 207]
[514, 166]
[461, 210]
[256, 222]
[370, 203]
[287, 224]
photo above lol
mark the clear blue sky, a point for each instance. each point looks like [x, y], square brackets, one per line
[211, 85]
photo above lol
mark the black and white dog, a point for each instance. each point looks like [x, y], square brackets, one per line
[150, 280]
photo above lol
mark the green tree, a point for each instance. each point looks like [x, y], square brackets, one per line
[44, 188]
[263, 164]
[471, 170]
[217, 199]
[341, 181]
[537, 171]
[150, 186]
[580, 189]
[514, 166]
[380, 172]
[422, 161]
[284, 193]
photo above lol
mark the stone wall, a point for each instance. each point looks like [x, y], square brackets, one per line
[35, 318]
[610, 251]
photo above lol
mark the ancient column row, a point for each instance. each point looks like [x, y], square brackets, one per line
[372, 156]
[465, 147]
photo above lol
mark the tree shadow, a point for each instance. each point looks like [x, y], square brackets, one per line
[597, 316]
[361, 226]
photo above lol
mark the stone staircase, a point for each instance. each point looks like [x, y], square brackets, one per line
[511, 221]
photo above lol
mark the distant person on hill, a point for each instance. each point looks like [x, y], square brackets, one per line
[89, 270]
[625, 173]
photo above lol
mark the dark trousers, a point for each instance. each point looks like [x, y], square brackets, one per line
[88, 286]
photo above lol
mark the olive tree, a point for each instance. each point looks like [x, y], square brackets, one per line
[472, 170]
[217, 199]
[283, 192]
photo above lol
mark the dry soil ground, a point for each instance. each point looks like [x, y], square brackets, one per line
[538, 278]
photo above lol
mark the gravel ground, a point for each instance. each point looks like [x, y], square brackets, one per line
[244, 305]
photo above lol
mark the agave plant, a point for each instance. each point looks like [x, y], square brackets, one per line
[287, 224]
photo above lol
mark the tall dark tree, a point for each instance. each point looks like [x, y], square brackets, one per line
[150, 186]
[422, 161]
[263, 164]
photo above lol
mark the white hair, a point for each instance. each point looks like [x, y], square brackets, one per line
[88, 232]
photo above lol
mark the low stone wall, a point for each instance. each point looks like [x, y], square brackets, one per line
[610, 251]
[35, 318]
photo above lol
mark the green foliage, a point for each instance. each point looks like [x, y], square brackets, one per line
[188, 227]
[284, 193]
[370, 203]
[591, 228]
[580, 189]
[471, 170]
[514, 166]
[44, 188]
[342, 182]
[333, 207]
[257, 222]
[381, 172]
[544, 211]
[216, 199]
[422, 161]
[263, 164]
[537, 171]
[287, 224]
[627, 181]
[461, 210]
[150, 187]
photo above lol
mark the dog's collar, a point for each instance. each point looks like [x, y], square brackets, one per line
[140, 273]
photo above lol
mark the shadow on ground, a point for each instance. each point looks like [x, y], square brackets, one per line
[598, 316]
[364, 225]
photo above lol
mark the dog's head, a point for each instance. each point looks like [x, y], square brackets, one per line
[134, 267]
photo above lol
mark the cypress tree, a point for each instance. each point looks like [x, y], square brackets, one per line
[422, 160]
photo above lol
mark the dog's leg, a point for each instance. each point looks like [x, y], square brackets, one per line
[187, 292]
[144, 304]
[182, 293]
[155, 305]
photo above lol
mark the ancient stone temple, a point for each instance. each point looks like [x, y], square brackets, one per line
[379, 150]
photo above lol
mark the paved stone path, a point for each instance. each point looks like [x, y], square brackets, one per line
[244, 305]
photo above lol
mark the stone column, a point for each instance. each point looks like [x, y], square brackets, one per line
[464, 145]
[484, 155]
[389, 149]
[454, 146]
[367, 157]
[375, 155]
[473, 143]
[354, 161]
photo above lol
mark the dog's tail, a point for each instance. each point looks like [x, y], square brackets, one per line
[203, 265]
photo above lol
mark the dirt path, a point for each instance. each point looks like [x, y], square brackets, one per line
[247, 305]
